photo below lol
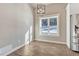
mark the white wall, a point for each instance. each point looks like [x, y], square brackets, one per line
[74, 8]
[52, 9]
[15, 20]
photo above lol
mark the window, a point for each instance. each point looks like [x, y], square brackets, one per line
[44, 25]
[49, 25]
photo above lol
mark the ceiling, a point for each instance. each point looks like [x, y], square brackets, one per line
[34, 5]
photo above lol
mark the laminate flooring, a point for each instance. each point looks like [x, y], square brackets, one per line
[38, 48]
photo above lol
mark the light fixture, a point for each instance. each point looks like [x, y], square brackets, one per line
[41, 9]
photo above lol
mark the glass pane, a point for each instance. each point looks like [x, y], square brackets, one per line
[44, 25]
[53, 25]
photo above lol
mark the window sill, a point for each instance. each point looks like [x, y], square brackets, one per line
[46, 34]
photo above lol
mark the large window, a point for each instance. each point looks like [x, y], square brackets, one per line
[49, 25]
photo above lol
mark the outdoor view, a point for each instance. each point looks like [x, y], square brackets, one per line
[44, 27]
[49, 25]
[53, 25]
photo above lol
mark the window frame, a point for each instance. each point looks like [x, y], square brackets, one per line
[48, 17]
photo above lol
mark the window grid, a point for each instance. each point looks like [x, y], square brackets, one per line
[48, 20]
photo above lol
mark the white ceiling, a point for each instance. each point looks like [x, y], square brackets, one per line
[34, 5]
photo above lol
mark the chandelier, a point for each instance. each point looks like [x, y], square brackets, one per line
[41, 8]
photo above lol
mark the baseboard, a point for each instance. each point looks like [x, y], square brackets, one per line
[28, 43]
[51, 41]
[14, 50]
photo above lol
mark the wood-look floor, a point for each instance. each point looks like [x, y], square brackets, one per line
[37, 48]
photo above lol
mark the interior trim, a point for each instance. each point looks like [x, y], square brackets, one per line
[51, 41]
[14, 50]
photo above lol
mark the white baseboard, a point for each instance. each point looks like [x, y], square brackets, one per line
[14, 50]
[28, 43]
[51, 41]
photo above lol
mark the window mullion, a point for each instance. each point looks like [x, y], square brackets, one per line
[48, 25]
